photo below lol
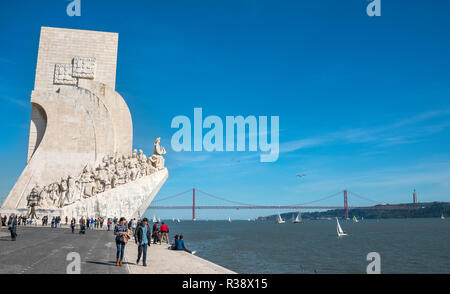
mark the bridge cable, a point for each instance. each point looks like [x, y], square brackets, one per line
[171, 197]
[362, 197]
[226, 200]
[321, 199]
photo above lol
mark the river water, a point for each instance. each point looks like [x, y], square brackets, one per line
[404, 245]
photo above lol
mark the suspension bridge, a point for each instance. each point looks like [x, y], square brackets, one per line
[310, 205]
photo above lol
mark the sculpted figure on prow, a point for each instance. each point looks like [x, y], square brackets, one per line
[113, 171]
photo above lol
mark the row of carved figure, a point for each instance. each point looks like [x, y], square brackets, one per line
[113, 171]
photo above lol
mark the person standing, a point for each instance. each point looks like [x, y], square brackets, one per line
[142, 241]
[82, 225]
[12, 227]
[109, 224]
[122, 236]
[133, 226]
[164, 233]
[72, 224]
[155, 232]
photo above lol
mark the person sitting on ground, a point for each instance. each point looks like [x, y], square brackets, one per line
[142, 237]
[180, 245]
[173, 246]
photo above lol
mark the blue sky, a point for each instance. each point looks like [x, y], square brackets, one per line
[363, 101]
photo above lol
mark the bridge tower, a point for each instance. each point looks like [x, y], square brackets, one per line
[345, 204]
[193, 204]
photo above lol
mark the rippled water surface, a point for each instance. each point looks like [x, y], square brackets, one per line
[405, 245]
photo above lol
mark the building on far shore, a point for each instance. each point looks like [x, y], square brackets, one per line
[415, 200]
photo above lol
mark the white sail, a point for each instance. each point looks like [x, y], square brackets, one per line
[178, 220]
[280, 220]
[229, 219]
[298, 219]
[159, 219]
[154, 219]
[442, 216]
[339, 230]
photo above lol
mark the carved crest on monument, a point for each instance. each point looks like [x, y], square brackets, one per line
[84, 67]
[63, 74]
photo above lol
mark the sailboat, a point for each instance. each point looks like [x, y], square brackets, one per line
[442, 216]
[229, 219]
[154, 219]
[159, 219]
[178, 220]
[298, 219]
[355, 219]
[339, 230]
[280, 220]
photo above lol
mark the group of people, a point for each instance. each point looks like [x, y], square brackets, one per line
[123, 231]
[143, 237]
[12, 222]
[91, 223]
[21, 220]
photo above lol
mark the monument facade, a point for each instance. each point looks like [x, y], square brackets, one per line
[80, 160]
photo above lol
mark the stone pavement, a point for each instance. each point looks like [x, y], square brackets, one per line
[44, 250]
[161, 260]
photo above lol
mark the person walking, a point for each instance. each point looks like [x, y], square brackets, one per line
[164, 233]
[12, 227]
[122, 236]
[109, 224]
[143, 240]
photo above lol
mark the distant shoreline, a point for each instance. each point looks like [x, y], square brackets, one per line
[388, 211]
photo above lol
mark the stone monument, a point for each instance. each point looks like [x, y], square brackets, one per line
[80, 160]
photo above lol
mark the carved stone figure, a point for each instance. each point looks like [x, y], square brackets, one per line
[157, 158]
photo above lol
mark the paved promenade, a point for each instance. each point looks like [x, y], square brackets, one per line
[44, 250]
[161, 260]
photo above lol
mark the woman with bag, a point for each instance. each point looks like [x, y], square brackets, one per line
[122, 236]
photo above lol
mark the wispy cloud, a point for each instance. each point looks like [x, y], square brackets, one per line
[18, 102]
[383, 136]
[6, 60]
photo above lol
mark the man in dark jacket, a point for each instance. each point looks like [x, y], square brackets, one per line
[12, 227]
[143, 239]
